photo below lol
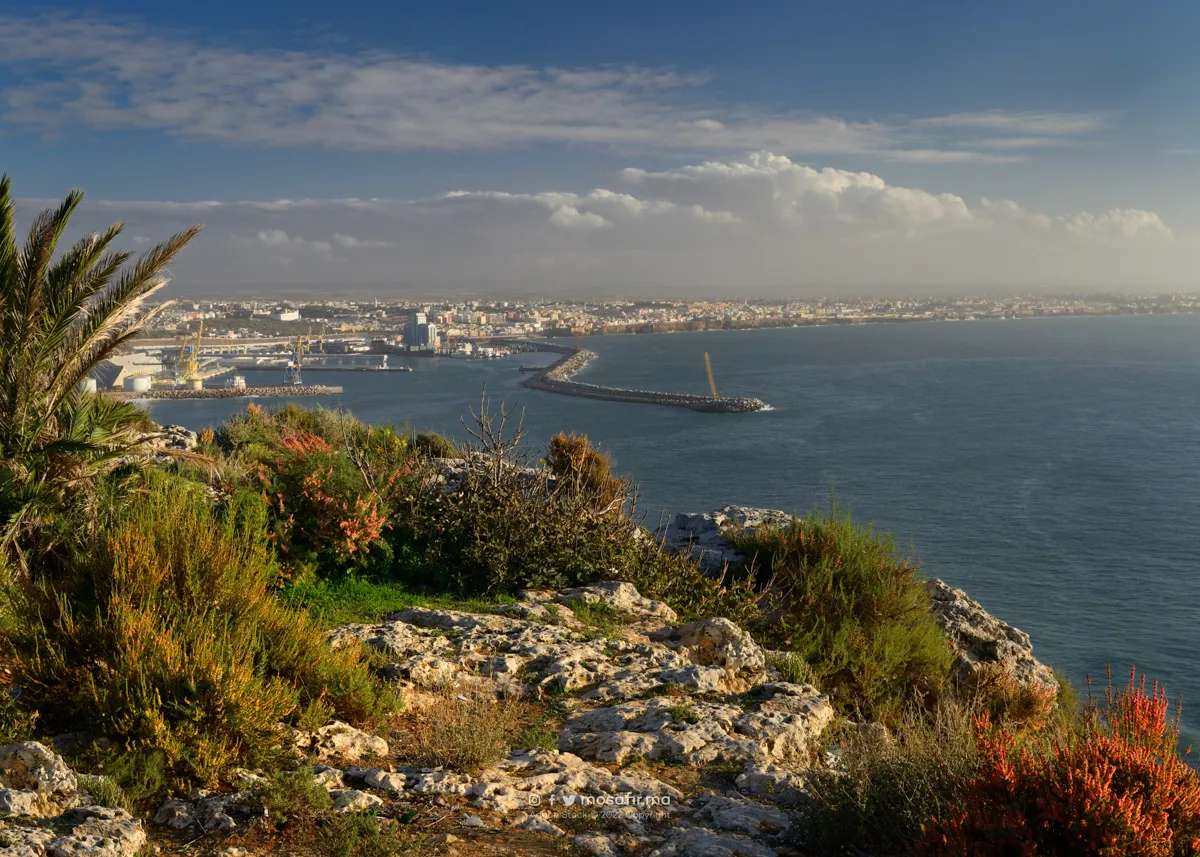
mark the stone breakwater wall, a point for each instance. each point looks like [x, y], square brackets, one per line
[230, 393]
[557, 379]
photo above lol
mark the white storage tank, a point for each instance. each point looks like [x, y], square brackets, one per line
[87, 385]
[195, 384]
[137, 383]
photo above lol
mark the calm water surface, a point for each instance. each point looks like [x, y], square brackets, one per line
[1049, 467]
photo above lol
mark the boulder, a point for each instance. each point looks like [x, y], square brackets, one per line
[982, 642]
[618, 596]
[353, 800]
[97, 832]
[702, 536]
[736, 815]
[35, 769]
[718, 642]
[700, 842]
[775, 723]
[340, 742]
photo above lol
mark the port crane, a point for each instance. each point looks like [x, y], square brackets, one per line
[712, 385]
[187, 364]
[291, 372]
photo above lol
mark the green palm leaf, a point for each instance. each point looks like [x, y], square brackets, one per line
[59, 317]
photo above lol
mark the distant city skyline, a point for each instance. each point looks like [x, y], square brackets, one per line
[633, 148]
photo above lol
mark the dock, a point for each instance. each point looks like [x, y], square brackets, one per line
[277, 391]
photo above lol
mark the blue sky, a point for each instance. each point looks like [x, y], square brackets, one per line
[1062, 132]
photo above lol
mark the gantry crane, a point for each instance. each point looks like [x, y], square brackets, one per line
[187, 365]
[291, 372]
[712, 385]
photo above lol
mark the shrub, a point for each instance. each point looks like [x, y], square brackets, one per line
[506, 526]
[166, 638]
[855, 611]
[466, 733]
[320, 501]
[433, 445]
[302, 807]
[573, 458]
[791, 666]
[1120, 788]
[886, 787]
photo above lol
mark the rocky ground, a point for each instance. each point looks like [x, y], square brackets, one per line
[658, 738]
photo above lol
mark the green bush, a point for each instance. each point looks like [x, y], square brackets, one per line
[887, 787]
[167, 639]
[855, 611]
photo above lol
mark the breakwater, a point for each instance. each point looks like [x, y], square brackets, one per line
[556, 378]
[232, 392]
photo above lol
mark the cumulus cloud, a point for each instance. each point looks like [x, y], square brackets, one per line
[761, 223]
[279, 238]
[1129, 222]
[83, 72]
[352, 243]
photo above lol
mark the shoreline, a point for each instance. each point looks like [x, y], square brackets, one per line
[561, 333]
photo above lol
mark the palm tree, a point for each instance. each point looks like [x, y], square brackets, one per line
[59, 317]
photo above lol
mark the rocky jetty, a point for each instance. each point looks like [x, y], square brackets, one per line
[556, 378]
[980, 641]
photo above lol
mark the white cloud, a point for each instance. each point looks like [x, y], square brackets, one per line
[352, 243]
[274, 237]
[950, 156]
[1024, 122]
[70, 72]
[761, 223]
[569, 217]
[1129, 222]
[279, 238]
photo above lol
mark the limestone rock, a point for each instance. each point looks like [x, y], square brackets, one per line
[353, 800]
[781, 724]
[619, 596]
[596, 845]
[21, 802]
[385, 781]
[340, 741]
[981, 641]
[700, 842]
[175, 814]
[734, 815]
[98, 832]
[330, 778]
[702, 535]
[30, 766]
[772, 782]
[719, 642]
[531, 779]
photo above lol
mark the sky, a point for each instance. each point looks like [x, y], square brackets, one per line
[637, 148]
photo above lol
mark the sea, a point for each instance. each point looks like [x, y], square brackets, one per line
[1049, 467]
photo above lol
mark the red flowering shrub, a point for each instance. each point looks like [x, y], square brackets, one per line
[1119, 789]
[320, 499]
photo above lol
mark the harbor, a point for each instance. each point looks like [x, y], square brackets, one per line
[231, 392]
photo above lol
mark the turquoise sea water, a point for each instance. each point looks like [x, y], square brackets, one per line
[1049, 467]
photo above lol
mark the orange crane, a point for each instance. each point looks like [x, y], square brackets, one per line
[712, 385]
